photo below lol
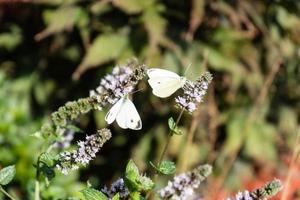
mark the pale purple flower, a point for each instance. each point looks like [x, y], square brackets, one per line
[193, 92]
[85, 152]
[183, 186]
[241, 196]
[269, 190]
[120, 82]
[65, 141]
[116, 187]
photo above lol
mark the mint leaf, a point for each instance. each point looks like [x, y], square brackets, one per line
[116, 197]
[131, 176]
[93, 194]
[173, 127]
[167, 167]
[7, 174]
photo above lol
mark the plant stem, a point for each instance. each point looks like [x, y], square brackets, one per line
[161, 157]
[169, 139]
[37, 190]
[6, 193]
[37, 184]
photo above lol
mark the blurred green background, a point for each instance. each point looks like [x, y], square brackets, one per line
[54, 51]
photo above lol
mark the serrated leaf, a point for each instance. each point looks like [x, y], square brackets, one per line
[93, 194]
[105, 48]
[167, 167]
[116, 197]
[135, 196]
[47, 159]
[145, 183]
[132, 170]
[7, 174]
[131, 176]
[173, 127]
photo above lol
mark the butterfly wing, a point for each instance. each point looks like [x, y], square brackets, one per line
[113, 112]
[128, 117]
[164, 87]
[164, 82]
[156, 72]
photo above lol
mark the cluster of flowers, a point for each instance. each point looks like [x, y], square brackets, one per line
[183, 186]
[117, 187]
[269, 190]
[65, 141]
[121, 81]
[85, 152]
[193, 92]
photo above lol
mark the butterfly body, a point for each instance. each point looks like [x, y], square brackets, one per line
[163, 82]
[125, 113]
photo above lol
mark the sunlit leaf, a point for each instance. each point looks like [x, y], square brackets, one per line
[105, 48]
[260, 142]
[93, 194]
[165, 167]
[10, 40]
[59, 20]
[173, 127]
[7, 174]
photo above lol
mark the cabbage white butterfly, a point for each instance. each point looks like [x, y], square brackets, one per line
[163, 82]
[125, 113]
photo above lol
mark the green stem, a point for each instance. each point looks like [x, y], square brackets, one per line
[6, 193]
[37, 184]
[170, 134]
[37, 190]
[169, 139]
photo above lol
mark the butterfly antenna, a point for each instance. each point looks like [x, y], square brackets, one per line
[137, 91]
[187, 68]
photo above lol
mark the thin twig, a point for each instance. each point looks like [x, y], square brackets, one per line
[6, 193]
[169, 139]
[37, 190]
[161, 157]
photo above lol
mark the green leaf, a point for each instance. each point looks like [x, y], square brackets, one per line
[145, 183]
[132, 170]
[59, 20]
[47, 159]
[131, 176]
[116, 197]
[93, 194]
[131, 6]
[10, 40]
[167, 167]
[173, 127]
[134, 181]
[261, 138]
[105, 48]
[74, 128]
[7, 174]
[135, 196]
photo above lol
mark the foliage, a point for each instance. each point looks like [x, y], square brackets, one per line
[55, 51]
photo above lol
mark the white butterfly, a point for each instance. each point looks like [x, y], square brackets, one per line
[125, 113]
[164, 82]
